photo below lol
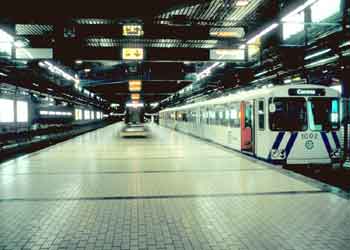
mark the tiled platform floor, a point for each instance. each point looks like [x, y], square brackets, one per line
[170, 191]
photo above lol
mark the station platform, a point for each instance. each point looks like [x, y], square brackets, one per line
[167, 191]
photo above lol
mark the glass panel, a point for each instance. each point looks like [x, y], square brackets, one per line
[289, 114]
[22, 111]
[7, 113]
[248, 115]
[261, 114]
[78, 114]
[293, 25]
[234, 117]
[323, 9]
[323, 114]
[86, 115]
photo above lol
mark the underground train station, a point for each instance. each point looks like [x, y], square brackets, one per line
[175, 124]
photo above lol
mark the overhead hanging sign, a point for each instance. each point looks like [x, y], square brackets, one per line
[135, 97]
[132, 54]
[135, 85]
[132, 30]
[227, 54]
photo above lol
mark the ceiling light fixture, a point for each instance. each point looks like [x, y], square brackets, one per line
[319, 53]
[242, 3]
[263, 32]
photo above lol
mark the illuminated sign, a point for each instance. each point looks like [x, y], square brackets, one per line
[307, 92]
[132, 30]
[135, 85]
[225, 34]
[132, 54]
[227, 54]
[135, 97]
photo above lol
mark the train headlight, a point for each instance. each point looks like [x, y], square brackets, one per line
[278, 154]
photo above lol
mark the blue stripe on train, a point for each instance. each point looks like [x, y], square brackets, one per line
[336, 139]
[290, 143]
[326, 142]
[277, 143]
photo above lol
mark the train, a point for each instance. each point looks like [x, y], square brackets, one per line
[286, 124]
[23, 111]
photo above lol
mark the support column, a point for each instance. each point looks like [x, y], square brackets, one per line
[345, 80]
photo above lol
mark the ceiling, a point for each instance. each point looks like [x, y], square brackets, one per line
[178, 35]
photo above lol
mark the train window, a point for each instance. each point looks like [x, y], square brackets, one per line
[212, 117]
[221, 117]
[227, 114]
[288, 114]
[248, 116]
[323, 114]
[184, 117]
[261, 114]
[7, 111]
[217, 117]
[234, 117]
[78, 114]
[22, 111]
[86, 115]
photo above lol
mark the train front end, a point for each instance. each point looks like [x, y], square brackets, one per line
[306, 126]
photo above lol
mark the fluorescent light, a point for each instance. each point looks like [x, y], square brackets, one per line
[261, 73]
[56, 70]
[298, 9]
[87, 70]
[3, 74]
[322, 61]
[263, 32]
[134, 105]
[5, 37]
[242, 3]
[345, 44]
[319, 53]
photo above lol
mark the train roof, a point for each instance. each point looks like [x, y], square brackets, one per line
[275, 91]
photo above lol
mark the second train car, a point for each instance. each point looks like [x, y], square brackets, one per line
[290, 124]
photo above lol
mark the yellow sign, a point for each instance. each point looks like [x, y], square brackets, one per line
[135, 85]
[132, 54]
[135, 97]
[224, 34]
[132, 30]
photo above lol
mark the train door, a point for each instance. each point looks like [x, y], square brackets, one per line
[247, 126]
[260, 127]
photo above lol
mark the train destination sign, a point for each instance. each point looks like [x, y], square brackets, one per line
[307, 92]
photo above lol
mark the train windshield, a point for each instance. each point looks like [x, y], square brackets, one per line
[288, 114]
[323, 114]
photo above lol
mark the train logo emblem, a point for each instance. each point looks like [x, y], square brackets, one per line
[309, 145]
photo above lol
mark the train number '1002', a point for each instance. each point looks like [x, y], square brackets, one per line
[310, 136]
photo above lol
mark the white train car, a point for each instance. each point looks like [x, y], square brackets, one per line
[290, 124]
